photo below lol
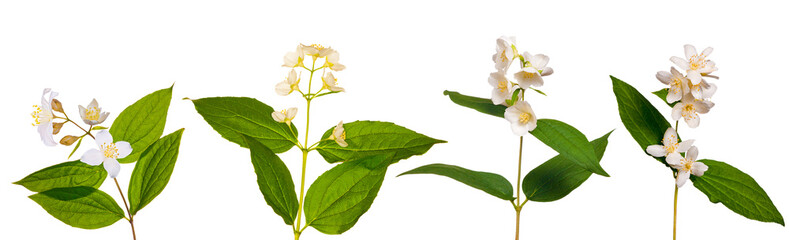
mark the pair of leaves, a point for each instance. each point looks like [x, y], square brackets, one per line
[234, 117]
[561, 137]
[550, 181]
[369, 138]
[721, 182]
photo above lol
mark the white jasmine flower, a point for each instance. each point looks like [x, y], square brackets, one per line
[330, 83]
[294, 59]
[332, 60]
[43, 116]
[108, 153]
[703, 89]
[285, 116]
[93, 114]
[521, 118]
[288, 85]
[670, 145]
[535, 69]
[502, 88]
[695, 64]
[338, 135]
[678, 84]
[687, 165]
[689, 109]
[505, 53]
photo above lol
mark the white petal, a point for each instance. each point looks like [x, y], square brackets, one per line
[684, 146]
[124, 149]
[692, 121]
[103, 137]
[664, 77]
[709, 91]
[673, 95]
[696, 92]
[670, 134]
[674, 159]
[540, 61]
[291, 113]
[341, 142]
[656, 150]
[82, 111]
[694, 76]
[698, 168]
[112, 166]
[93, 103]
[337, 67]
[92, 157]
[283, 88]
[498, 97]
[690, 50]
[703, 106]
[278, 116]
[707, 51]
[102, 117]
[512, 114]
[681, 63]
[676, 112]
[692, 153]
[547, 71]
[682, 177]
[45, 131]
[526, 79]
[519, 129]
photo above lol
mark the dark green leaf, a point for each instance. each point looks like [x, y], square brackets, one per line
[152, 173]
[367, 138]
[233, 117]
[483, 105]
[142, 123]
[490, 183]
[274, 180]
[738, 191]
[67, 174]
[662, 93]
[82, 207]
[570, 142]
[339, 197]
[641, 119]
[559, 176]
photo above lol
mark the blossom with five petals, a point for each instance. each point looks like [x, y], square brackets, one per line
[531, 74]
[687, 165]
[689, 109]
[521, 118]
[505, 53]
[285, 116]
[695, 64]
[288, 85]
[338, 135]
[108, 153]
[670, 145]
[678, 84]
[92, 115]
[43, 116]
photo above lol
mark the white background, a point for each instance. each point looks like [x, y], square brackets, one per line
[400, 57]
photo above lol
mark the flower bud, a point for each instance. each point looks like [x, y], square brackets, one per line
[68, 140]
[57, 106]
[56, 127]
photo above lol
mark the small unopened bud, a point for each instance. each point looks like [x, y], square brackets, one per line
[56, 127]
[68, 140]
[57, 106]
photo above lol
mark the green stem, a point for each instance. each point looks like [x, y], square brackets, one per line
[675, 210]
[518, 195]
[131, 217]
[304, 151]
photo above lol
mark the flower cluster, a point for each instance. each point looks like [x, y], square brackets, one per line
[691, 89]
[325, 60]
[108, 152]
[506, 92]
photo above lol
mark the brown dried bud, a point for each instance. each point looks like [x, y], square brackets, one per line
[56, 127]
[68, 140]
[57, 106]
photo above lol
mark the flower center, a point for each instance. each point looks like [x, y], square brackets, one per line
[669, 144]
[317, 46]
[697, 62]
[342, 135]
[525, 117]
[502, 86]
[92, 113]
[110, 150]
[40, 116]
[676, 84]
[686, 165]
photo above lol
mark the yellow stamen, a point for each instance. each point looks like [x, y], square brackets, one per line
[92, 113]
[697, 62]
[525, 117]
[502, 86]
[110, 150]
[317, 46]
[342, 135]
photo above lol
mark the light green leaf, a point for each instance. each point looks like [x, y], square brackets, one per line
[538, 91]
[339, 197]
[641, 119]
[274, 180]
[483, 105]
[559, 176]
[570, 142]
[67, 174]
[233, 117]
[152, 173]
[662, 93]
[142, 123]
[490, 183]
[76, 147]
[367, 138]
[738, 191]
[82, 207]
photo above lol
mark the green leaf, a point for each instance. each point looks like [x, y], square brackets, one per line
[559, 176]
[82, 207]
[483, 105]
[274, 180]
[233, 117]
[490, 183]
[142, 123]
[570, 142]
[95, 128]
[67, 174]
[367, 138]
[515, 95]
[662, 93]
[538, 91]
[640, 117]
[339, 197]
[152, 173]
[738, 191]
